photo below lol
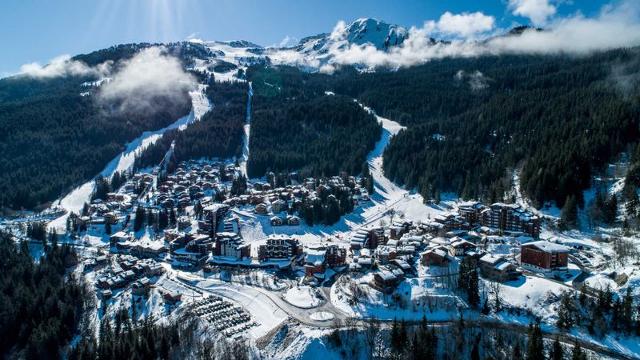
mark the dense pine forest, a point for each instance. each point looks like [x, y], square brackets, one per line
[125, 338]
[52, 138]
[472, 122]
[40, 305]
[561, 118]
[217, 135]
[299, 127]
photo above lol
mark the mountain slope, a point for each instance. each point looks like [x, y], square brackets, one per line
[470, 121]
[360, 32]
[55, 132]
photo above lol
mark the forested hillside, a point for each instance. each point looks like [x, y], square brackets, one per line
[52, 138]
[295, 126]
[472, 121]
[562, 118]
[40, 305]
[217, 135]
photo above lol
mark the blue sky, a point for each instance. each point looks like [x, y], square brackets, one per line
[36, 31]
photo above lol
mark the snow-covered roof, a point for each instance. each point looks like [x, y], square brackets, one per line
[503, 265]
[491, 259]
[547, 246]
[315, 256]
[386, 275]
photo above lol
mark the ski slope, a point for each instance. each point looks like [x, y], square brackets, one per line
[388, 200]
[75, 200]
[246, 133]
[388, 195]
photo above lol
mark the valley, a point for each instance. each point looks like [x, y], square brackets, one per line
[286, 202]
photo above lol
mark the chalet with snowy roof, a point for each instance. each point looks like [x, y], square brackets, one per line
[119, 237]
[261, 209]
[276, 221]
[172, 297]
[148, 248]
[450, 222]
[293, 220]
[183, 223]
[387, 277]
[140, 287]
[360, 239]
[496, 267]
[384, 253]
[183, 255]
[460, 247]
[111, 218]
[544, 256]
[403, 265]
[398, 228]
[437, 256]
[278, 206]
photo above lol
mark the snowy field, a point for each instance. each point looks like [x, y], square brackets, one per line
[304, 297]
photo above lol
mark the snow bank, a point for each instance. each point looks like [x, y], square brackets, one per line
[304, 297]
[322, 316]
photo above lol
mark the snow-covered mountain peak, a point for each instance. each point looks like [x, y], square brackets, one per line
[360, 32]
[375, 32]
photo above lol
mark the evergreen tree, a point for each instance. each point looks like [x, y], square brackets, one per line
[239, 185]
[565, 312]
[632, 205]
[333, 211]
[107, 227]
[475, 352]
[198, 209]
[577, 353]
[557, 352]
[172, 217]
[102, 188]
[398, 338]
[627, 312]
[611, 210]
[138, 221]
[517, 351]
[163, 219]
[367, 178]
[151, 217]
[469, 280]
[535, 347]
[569, 215]
[85, 210]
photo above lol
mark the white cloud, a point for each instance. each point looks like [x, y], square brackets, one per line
[538, 11]
[63, 65]
[148, 74]
[292, 57]
[465, 24]
[476, 80]
[339, 31]
[194, 38]
[616, 26]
